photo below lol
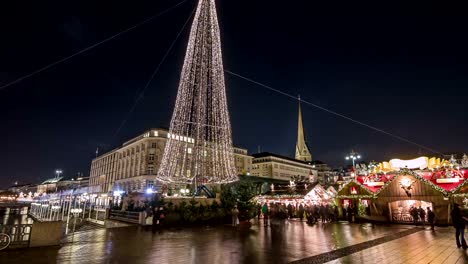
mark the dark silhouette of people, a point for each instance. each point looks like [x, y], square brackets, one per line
[458, 222]
[301, 212]
[422, 215]
[290, 211]
[156, 219]
[350, 213]
[265, 214]
[431, 217]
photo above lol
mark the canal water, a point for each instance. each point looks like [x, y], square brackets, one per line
[259, 244]
[14, 215]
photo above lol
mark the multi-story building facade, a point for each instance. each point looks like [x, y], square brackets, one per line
[269, 165]
[325, 173]
[133, 166]
[59, 184]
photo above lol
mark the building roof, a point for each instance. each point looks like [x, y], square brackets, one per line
[268, 154]
[52, 180]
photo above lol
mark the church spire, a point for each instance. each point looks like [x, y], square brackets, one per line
[302, 150]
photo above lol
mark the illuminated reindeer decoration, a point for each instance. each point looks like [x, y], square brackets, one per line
[407, 184]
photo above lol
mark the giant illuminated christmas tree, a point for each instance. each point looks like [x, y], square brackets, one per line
[199, 142]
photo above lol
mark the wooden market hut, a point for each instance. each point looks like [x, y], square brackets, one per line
[310, 194]
[407, 189]
[353, 194]
[460, 194]
[392, 195]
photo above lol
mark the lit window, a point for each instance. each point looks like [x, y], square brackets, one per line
[155, 133]
[189, 150]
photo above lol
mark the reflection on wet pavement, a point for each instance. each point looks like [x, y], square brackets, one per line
[292, 241]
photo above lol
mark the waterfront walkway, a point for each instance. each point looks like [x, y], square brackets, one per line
[418, 248]
[294, 242]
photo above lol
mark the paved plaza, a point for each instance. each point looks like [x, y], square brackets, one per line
[294, 242]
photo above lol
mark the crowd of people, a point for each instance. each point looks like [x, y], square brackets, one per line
[419, 216]
[155, 217]
[311, 213]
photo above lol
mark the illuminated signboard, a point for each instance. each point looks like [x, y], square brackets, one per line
[418, 163]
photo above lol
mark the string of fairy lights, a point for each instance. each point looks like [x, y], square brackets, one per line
[200, 112]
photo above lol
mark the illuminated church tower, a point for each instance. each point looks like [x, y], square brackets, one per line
[302, 150]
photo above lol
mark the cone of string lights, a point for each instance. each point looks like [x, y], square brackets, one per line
[199, 146]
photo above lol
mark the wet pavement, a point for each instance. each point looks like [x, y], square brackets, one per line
[421, 247]
[283, 244]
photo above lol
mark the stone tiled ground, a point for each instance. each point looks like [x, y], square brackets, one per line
[418, 248]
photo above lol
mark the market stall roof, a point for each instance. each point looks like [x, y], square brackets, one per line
[446, 183]
[361, 190]
[300, 190]
[319, 192]
[440, 179]
[374, 185]
[332, 189]
[461, 189]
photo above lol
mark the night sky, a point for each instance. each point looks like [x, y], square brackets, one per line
[397, 67]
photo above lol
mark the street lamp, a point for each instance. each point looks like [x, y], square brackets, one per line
[58, 172]
[353, 156]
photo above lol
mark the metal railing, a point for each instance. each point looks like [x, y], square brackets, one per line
[20, 234]
[126, 216]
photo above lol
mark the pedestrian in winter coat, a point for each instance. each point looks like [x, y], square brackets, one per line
[430, 217]
[422, 215]
[458, 222]
[290, 211]
[265, 214]
[235, 214]
[301, 212]
[156, 220]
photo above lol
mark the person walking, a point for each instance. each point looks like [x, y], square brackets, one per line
[156, 220]
[350, 213]
[301, 212]
[414, 214]
[290, 211]
[235, 214]
[265, 214]
[422, 215]
[430, 217]
[458, 222]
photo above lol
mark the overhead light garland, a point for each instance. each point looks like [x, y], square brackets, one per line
[199, 144]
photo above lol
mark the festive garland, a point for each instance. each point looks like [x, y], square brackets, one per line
[403, 172]
[359, 184]
[459, 187]
[355, 196]
[279, 196]
[417, 176]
